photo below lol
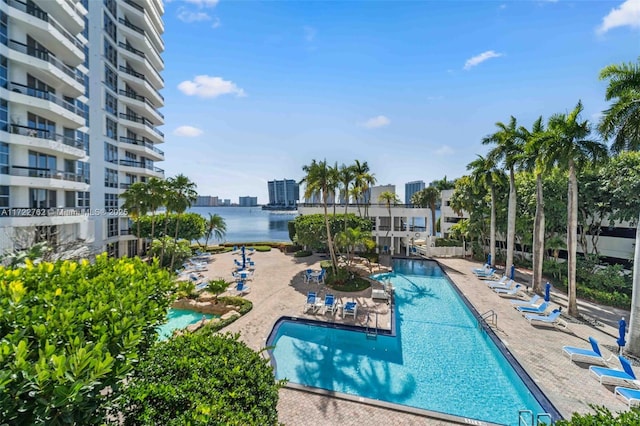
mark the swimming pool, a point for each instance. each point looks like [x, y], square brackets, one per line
[439, 360]
[178, 319]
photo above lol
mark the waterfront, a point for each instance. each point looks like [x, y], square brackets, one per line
[250, 224]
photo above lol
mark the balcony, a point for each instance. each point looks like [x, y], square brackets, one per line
[47, 96]
[39, 172]
[142, 143]
[33, 132]
[129, 25]
[144, 83]
[141, 165]
[135, 6]
[144, 104]
[142, 120]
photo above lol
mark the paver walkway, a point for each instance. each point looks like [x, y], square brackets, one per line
[278, 289]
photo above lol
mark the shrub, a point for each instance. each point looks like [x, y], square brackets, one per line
[443, 242]
[71, 332]
[192, 226]
[182, 249]
[202, 379]
[263, 248]
[186, 289]
[302, 253]
[603, 417]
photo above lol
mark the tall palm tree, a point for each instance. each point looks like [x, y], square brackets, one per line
[427, 198]
[334, 184]
[508, 150]
[484, 172]
[216, 227]
[352, 238]
[184, 194]
[156, 198]
[364, 180]
[565, 144]
[346, 176]
[622, 120]
[389, 198]
[134, 202]
[317, 181]
[534, 162]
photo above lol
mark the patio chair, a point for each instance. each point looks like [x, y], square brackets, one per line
[350, 308]
[506, 285]
[307, 275]
[531, 302]
[484, 268]
[508, 291]
[502, 280]
[311, 301]
[631, 396]
[533, 309]
[485, 274]
[552, 319]
[611, 376]
[242, 288]
[592, 355]
[329, 303]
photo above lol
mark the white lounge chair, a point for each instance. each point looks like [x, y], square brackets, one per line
[350, 308]
[552, 319]
[631, 396]
[592, 355]
[329, 303]
[311, 302]
[508, 291]
[531, 302]
[611, 376]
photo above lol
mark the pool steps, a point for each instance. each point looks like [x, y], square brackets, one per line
[526, 418]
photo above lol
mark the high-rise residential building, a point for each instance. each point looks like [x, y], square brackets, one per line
[283, 194]
[79, 100]
[125, 39]
[206, 201]
[373, 194]
[248, 201]
[411, 188]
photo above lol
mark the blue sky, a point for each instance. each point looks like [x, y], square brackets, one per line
[256, 90]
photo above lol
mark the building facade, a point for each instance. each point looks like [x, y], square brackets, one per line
[248, 201]
[79, 100]
[411, 188]
[206, 201]
[283, 193]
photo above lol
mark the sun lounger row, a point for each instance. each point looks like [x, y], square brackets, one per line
[329, 304]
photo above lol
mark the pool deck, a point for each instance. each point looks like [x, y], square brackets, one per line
[278, 289]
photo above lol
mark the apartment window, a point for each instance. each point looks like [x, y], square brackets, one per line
[113, 250]
[3, 71]
[42, 162]
[132, 248]
[85, 32]
[42, 198]
[111, 103]
[47, 128]
[110, 78]
[83, 169]
[39, 85]
[112, 129]
[83, 199]
[69, 199]
[110, 27]
[110, 178]
[4, 158]
[3, 28]
[110, 201]
[130, 156]
[112, 227]
[4, 196]
[110, 53]
[111, 7]
[110, 153]
[130, 179]
[34, 48]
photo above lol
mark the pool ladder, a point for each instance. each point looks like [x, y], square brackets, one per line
[490, 318]
[372, 334]
[526, 418]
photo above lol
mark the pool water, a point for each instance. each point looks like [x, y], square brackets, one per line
[179, 319]
[439, 359]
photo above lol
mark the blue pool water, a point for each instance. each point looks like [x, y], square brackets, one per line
[178, 319]
[439, 360]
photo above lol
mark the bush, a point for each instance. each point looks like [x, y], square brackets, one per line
[263, 249]
[603, 417]
[186, 289]
[345, 280]
[192, 226]
[182, 249]
[443, 242]
[202, 379]
[71, 333]
[302, 253]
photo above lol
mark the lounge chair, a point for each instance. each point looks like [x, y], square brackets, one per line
[350, 308]
[485, 268]
[531, 302]
[503, 285]
[508, 291]
[552, 319]
[611, 376]
[311, 301]
[329, 303]
[592, 355]
[502, 280]
[242, 288]
[485, 274]
[631, 396]
[319, 278]
[533, 309]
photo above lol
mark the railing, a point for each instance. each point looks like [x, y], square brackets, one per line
[131, 26]
[127, 231]
[491, 315]
[131, 49]
[125, 185]
[42, 211]
[47, 96]
[141, 120]
[141, 76]
[132, 95]
[45, 134]
[135, 6]
[141, 142]
[140, 164]
[47, 57]
[40, 172]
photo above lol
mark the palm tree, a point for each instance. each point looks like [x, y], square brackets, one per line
[622, 120]
[346, 176]
[534, 162]
[216, 227]
[389, 198]
[156, 198]
[352, 238]
[427, 198]
[485, 173]
[334, 184]
[184, 194]
[317, 181]
[134, 202]
[364, 179]
[565, 143]
[507, 151]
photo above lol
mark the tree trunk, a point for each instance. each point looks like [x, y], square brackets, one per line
[511, 221]
[492, 230]
[433, 219]
[633, 342]
[139, 239]
[572, 237]
[175, 243]
[332, 254]
[538, 237]
[164, 242]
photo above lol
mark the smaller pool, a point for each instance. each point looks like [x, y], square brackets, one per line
[178, 319]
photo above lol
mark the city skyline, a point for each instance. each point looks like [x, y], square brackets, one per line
[256, 91]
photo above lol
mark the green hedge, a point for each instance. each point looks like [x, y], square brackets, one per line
[603, 417]
[302, 253]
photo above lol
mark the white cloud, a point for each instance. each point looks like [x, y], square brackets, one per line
[445, 150]
[216, 22]
[187, 131]
[188, 16]
[205, 86]
[309, 33]
[375, 122]
[478, 59]
[203, 3]
[628, 14]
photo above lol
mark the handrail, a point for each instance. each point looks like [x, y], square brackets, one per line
[128, 24]
[133, 95]
[132, 72]
[523, 421]
[34, 132]
[131, 49]
[40, 172]
[46, 56]
[141, 142]
[135, 6]
[47, 96]
[492, 315]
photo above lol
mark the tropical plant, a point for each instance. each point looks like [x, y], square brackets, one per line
[565, 144]
[603, 417]
[202, 378]
[363, 181]
[71, 333]
[156, 197]
[310, 230]
[216, 227]
[165, 248]
[182, 196]
[508, 149]
[428, 197]
[346, 175]
[135, 203]
[217, 287]
[318, 180]
[389, 198]
[352, 239]
[192, 225]
[622, 120]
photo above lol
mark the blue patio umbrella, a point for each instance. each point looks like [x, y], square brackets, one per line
[547, 291]
[489, 259]
[513, 272]
[244, 258]
[622, 329]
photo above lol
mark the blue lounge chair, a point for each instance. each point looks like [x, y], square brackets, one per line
[531, 302]
[242, 288]
[533, 309]
[503, 285]
[592, 355]
[485, 274]
[329, 303]
[502, 280]
[508, 291]
[631, 396]
[611, 376]
[552, 319]
[350, 308]
[311, 301]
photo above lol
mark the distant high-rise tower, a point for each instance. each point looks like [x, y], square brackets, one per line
[411, 188]
[248, 201]
[283, 194]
